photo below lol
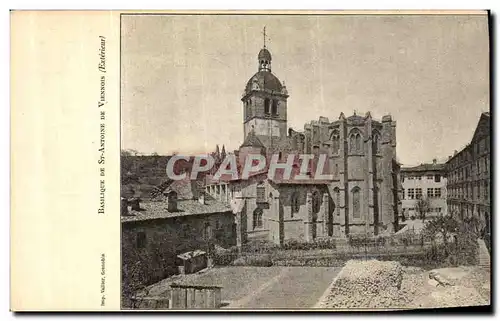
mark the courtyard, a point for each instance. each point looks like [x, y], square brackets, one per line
[260, 287]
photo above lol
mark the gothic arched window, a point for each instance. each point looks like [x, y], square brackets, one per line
[336, 190]
[248, 105]
[376, 142]
[316, 202]
[257, 218]
[355, 142]
[295, 205]
[352, 143]
[261, 193]
[358, 143]
[267, 103]
[335, 138]
[356, 206]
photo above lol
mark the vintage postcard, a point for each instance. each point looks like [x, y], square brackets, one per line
[228, 161]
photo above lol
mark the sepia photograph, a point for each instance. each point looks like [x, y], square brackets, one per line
[305, 161]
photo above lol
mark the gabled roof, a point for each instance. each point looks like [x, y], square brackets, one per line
[252, 141]
[152, 210]
[483, 127]
[482, 130]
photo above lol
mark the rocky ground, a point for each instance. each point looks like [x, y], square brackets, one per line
[375, 285]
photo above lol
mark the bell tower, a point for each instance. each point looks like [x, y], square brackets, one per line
[265, 103]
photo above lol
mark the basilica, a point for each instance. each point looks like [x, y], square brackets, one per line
[360, 195]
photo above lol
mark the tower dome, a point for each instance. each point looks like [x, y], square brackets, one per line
[264, 79]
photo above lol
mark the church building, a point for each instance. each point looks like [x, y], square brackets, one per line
[360, 197]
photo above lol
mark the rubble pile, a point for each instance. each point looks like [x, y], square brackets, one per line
[367, 284]
[457, 296]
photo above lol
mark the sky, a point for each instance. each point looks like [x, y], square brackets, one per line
[183, 76]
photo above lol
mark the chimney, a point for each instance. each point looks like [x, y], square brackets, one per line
[434, 161]
[135, 204]
[201, 197]
[455, 152]
[449, 157]
[172, 201]
[124, 206]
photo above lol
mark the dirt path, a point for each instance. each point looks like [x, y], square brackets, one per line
[292, 288]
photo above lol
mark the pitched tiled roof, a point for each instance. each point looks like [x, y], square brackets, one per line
[424, 168]
[159, 210]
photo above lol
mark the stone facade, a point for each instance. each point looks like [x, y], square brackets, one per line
[154, 236]
[361, 153]
[361, 198]
[469, 174]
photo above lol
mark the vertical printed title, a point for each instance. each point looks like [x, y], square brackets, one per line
[101, 105]
[101, 161]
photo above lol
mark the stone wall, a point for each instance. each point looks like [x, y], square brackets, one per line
[164, 239]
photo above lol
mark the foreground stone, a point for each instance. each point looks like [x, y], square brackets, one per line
[366, 284]
[354, 287]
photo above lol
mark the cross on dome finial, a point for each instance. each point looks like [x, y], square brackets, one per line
[264, 55]
[264, 33]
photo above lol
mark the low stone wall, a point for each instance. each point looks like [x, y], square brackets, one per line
[365, 284]
[151, 303]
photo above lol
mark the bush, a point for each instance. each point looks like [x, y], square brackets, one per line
[358, 241]
[318, 262]
[316, 244]
[254, 260]
[224, 259]
[487, 241]
[462, 250]
[465, 249]
[259, 247]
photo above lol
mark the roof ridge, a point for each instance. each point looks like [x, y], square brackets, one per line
[252, 140]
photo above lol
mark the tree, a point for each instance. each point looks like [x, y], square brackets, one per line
[422, 207]
[129, 152]
[441, 225]
[473, 226]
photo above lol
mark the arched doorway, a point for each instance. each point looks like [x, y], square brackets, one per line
[257, 218]
[331, 212]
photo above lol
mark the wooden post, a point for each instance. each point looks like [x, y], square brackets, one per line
[217, 298]
[191, 298]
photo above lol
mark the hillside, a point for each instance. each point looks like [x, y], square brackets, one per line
[141, 174]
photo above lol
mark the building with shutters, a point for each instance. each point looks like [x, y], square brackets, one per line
[469, 177]
[427, 181]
